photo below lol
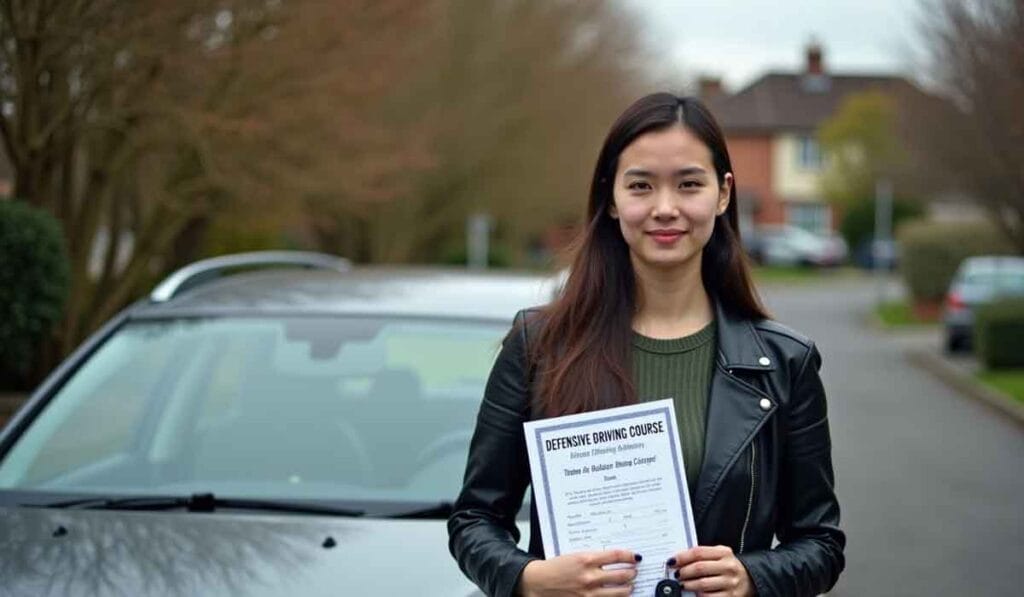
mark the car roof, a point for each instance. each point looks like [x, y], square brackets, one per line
[421, 292]
[992, 264]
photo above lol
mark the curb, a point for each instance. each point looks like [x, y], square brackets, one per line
[965, 383]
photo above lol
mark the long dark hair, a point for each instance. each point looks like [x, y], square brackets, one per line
[582, 347]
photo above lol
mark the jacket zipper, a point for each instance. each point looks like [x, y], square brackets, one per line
[750, 500]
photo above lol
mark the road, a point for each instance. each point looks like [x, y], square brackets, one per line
[931, 483]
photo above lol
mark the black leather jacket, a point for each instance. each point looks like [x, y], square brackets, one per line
[767, 469]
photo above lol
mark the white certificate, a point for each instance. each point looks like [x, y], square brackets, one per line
[613, 479]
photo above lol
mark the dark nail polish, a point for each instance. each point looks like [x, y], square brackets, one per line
[677, 574]
[637, 557]
[671, 562]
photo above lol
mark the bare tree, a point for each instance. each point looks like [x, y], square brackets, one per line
[139, 119]
[975, 140]
[516, 95]
[379, 124]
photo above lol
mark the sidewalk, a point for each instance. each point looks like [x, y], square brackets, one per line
[923, 347]
[959, 373]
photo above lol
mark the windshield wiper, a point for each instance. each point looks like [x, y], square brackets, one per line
[438, 510]
[197, 502]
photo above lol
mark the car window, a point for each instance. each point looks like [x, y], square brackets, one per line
[333, 408]
[999, 281]
[100, 411]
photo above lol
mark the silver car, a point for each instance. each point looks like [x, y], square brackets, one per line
[978, 281]
[283, 431]
[793, 246]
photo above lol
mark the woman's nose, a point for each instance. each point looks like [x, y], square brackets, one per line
[665, 206]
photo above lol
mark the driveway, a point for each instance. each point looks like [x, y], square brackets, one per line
[931, 483]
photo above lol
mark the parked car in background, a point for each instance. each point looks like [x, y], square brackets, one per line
[877, 254]
[978, 281]
[793, 246]
[283, 431]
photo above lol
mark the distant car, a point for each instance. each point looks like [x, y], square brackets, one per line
[877, 254]
[794, 246]
[281, 431]
[978, 281]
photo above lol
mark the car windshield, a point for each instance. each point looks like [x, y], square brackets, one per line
[306, 408]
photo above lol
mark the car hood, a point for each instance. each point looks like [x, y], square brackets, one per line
[101, 553]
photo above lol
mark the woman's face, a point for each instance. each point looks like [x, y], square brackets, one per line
[667, 196]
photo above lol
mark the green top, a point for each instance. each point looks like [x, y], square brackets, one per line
[680, 369]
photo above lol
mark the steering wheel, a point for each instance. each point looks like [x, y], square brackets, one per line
[443, 446]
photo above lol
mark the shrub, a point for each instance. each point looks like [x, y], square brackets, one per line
[497, 257]
[931, 252]
[999, 333]
[34, 282]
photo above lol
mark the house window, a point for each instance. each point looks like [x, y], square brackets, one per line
[809, 154]
[815, 217]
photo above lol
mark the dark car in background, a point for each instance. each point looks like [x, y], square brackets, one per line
[978, 281]
[298, 429]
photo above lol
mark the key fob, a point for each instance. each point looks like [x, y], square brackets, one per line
[668, 588]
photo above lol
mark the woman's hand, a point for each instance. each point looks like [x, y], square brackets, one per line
[712, 572]
[580, 575]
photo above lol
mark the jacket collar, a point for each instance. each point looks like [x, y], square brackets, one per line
[739, 345]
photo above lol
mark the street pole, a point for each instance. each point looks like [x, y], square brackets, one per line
[478, 232]
[882, 249]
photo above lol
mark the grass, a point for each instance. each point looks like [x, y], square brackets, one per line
[897, 314]
[789, 274]
[1008, 381]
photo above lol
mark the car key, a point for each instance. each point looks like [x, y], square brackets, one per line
[669, 587]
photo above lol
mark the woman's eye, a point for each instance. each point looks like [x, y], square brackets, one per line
[638, 185]
[690, 184]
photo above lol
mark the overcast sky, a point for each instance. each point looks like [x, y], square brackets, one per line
[740, 39]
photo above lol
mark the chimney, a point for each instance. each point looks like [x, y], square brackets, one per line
[815, 63]
[709, 88]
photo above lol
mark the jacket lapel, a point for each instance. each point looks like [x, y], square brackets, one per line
[735, 411]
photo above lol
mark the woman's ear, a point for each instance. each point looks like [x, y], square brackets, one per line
[614, 213]
[724, 193]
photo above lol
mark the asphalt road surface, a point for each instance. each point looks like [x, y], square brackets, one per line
[931, 483]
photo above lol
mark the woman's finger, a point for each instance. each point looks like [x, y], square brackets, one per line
[701, 552]
[705, 568]
[624, 591]
[616, 577]
[613, 556]
[709, 584]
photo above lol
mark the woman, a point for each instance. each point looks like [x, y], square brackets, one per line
[659, 303]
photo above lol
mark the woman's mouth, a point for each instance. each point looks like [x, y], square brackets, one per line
[665, 237]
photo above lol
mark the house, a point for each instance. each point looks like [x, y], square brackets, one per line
[771, 129]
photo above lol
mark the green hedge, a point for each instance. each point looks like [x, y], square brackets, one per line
[858, 222]
[999, 333]
[931, 252]
[34, 282]
[497, 257]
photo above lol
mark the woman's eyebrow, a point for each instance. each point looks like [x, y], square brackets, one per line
[691, 170]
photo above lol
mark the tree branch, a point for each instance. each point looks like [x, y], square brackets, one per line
[12, 148]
